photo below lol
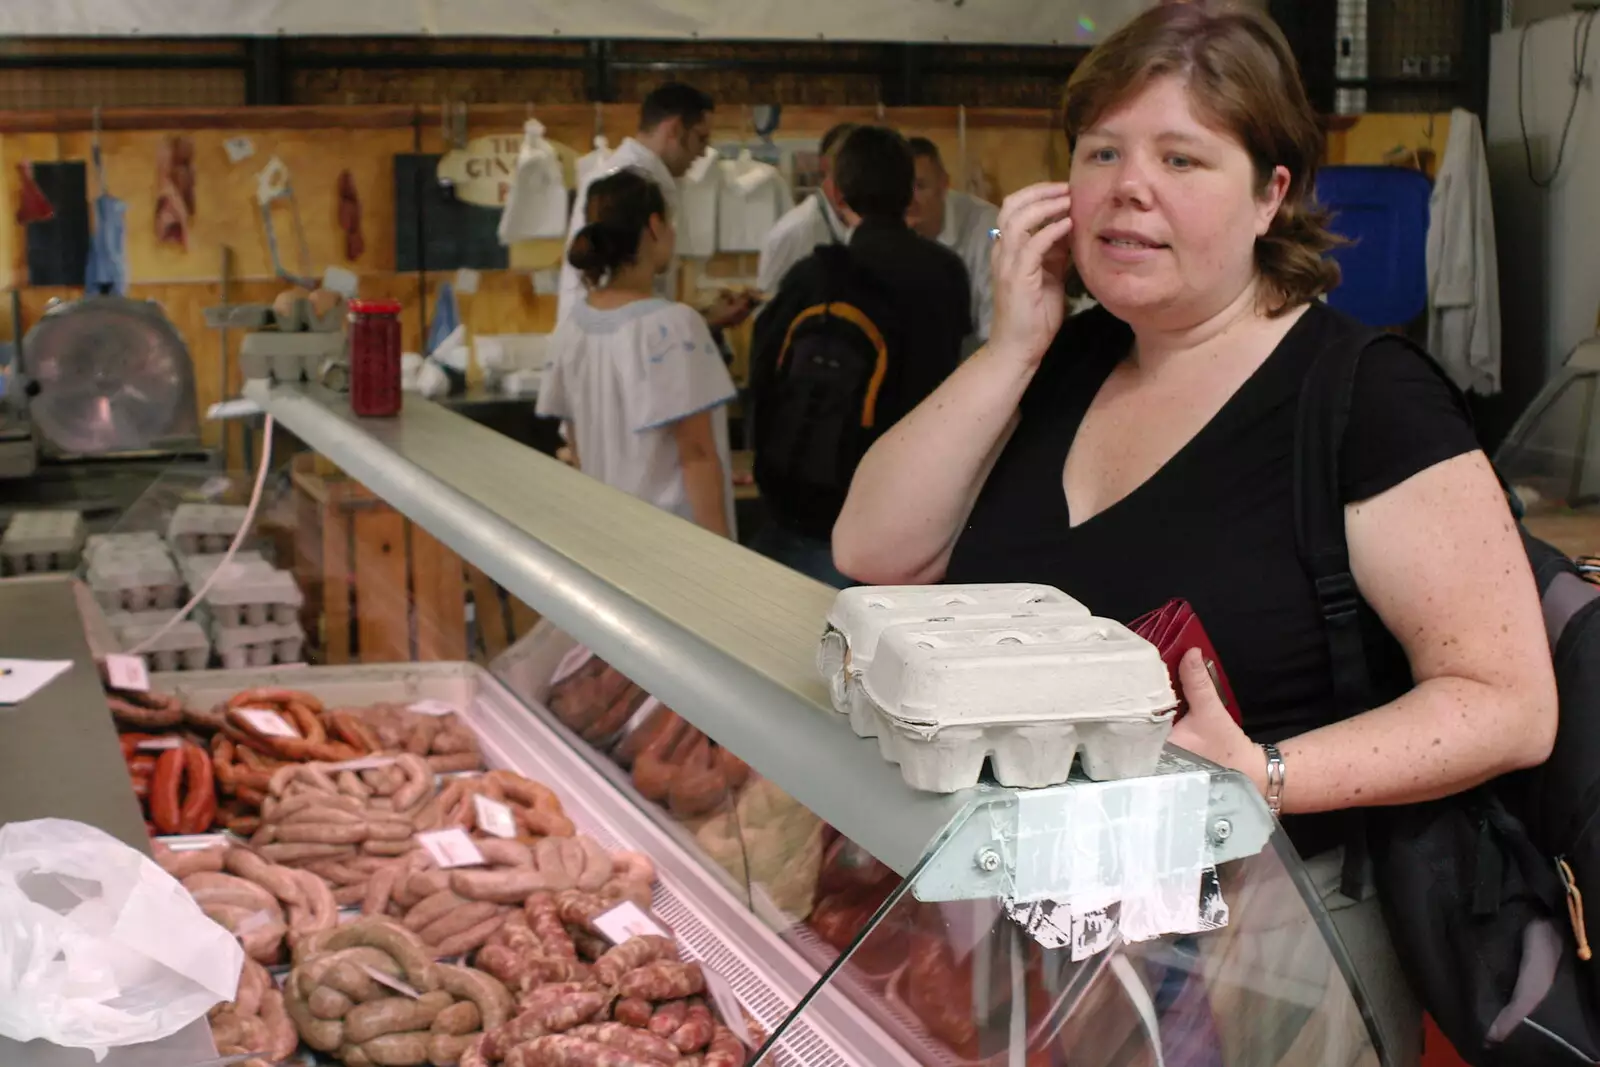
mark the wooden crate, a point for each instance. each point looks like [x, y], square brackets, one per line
[379, 589]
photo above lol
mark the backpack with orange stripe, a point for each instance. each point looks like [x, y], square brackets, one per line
[817, 396]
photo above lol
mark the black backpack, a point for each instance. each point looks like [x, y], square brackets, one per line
[819, 379]
[1482, 892]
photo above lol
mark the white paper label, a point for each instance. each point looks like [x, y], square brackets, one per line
[570, 663]
[626, 921]
[727, 1006]
[216, 486]
[494, 817]
[195, 842]
[128, 672]
[21, 678]
[392, 983]
[365, 763]
[431, 707]
[254, 921]
[158, 744]
[451, 848]
[467, 281]
[239, 149]
[269, 723]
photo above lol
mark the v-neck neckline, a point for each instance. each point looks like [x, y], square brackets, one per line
[1185, 453]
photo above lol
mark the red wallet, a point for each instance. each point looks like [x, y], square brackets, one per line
[1174, 629]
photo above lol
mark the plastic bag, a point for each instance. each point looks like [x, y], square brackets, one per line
[100, 947]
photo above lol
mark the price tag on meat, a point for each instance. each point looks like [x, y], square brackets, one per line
[159, 744]
[128, 672]
[726, 1002]
[625, 921]
[268, 722]
[494, 817]
[365, 763]
[570, 664]
[432, 707]
[451, 848]
[392, 983]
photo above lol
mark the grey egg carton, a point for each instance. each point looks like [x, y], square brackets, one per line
[288, 357]
[258, 646]
[251, 592]
[134, 579]
[39, 542]
[197, 528]
[184, 647]
[110, 544]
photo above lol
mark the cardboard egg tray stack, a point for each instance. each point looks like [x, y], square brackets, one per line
[251, 611]
[39, 542]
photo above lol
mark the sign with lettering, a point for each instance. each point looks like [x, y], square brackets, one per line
[481, 172]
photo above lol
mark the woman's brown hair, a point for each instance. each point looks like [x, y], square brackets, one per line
[1243, 80]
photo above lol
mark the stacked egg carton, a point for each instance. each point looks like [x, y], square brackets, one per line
[183, 647]
[1019, 675]
[251, 610]
[202, 528]
[132, 572]
[38, 542]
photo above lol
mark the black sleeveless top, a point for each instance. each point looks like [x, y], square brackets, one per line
[1215, 525]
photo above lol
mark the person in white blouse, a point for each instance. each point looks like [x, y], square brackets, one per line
[637, 380]
[814, 221]
[674, 130]
[957, 220]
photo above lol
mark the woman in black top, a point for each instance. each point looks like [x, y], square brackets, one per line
[1142, 450]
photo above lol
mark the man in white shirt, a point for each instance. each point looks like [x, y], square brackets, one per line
[674, 130]
[958, 221]
[812, 222]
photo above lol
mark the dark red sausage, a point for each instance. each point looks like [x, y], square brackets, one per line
[199, 809]
[164, 784]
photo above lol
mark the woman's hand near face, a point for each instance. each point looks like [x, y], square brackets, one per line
[1029, 263]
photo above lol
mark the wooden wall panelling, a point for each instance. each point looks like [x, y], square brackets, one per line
[438, 599]
[382, 595]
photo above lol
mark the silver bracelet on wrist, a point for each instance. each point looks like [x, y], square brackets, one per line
[1275, 778]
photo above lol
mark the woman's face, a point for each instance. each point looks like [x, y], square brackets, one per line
[1166, 211]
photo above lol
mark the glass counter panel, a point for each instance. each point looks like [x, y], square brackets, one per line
[963, 982]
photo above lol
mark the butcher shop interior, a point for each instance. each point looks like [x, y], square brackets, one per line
[451, 612]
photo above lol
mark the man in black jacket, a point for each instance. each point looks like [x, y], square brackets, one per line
[919, 291]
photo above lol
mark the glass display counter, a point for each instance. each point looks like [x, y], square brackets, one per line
[1160, 920]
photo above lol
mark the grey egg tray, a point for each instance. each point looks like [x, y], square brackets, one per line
[198, 528]
[288, 357]
[41, 542]
[256, 646]
[184, 647]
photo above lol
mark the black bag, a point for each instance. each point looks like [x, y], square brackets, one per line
[816, 394]
[1482, 892]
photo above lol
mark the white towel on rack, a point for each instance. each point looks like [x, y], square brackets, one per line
[536, 204]
[753, 198]
[698, 191]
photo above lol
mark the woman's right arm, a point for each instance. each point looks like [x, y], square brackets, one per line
[916, 486]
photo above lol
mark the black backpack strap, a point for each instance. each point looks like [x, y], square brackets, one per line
[1326, 396]
[1324, 411]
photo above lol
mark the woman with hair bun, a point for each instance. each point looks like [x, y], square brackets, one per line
[1144, 450]
[637, 380]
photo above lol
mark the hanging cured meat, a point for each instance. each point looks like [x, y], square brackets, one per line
[32, 205]
[174, 191]
[350, 217]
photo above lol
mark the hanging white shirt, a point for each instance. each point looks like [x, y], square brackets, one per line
[623, 377]
[795, 236]
[967, 222]
[592, 163]
[1463, 275]
[536, 204]
[754, 197]
[698, 191]
[629, 154]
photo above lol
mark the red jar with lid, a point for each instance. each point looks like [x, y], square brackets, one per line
[375, 357]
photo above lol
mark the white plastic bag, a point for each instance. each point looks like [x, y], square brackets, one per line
[100, 947]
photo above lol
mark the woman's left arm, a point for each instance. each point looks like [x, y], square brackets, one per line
[1440, 560]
